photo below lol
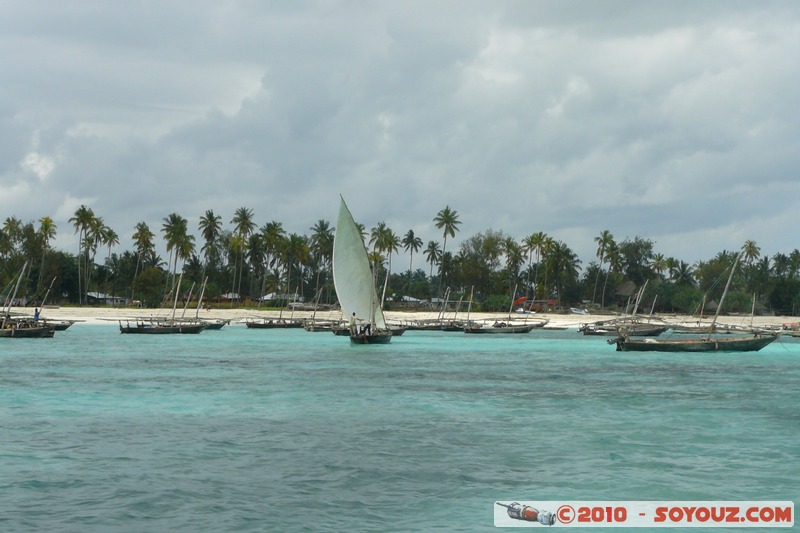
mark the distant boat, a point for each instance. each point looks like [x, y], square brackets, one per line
[211, 323]
[737, 344]
[354, 280]
[24, 328]
[214, 323]
[710, 343]
[630, 329]
[272, 323]
[21, 327]
[504, 327]
[161, 325]
[498, 327]
[318, 325]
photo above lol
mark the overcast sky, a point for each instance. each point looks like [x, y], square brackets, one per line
[674, 121]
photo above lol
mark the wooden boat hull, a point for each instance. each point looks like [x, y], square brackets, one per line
[215, 324]
[382, 337]
[148, 329]
[500, 329]
[739, 344]
[37, 332]
[59, 325]
[638, 331]
[275, 324]
[325, 327]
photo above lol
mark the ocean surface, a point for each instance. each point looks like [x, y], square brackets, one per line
[284, 430]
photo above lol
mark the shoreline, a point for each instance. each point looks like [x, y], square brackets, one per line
[105, 315]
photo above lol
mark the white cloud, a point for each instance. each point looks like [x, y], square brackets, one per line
[38, 164]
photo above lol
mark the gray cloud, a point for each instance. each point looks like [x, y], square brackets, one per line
[675, 122]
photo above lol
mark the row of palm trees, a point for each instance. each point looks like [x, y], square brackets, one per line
[540, 265]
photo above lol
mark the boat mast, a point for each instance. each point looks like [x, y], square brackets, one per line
[175, 303]
[200, 298]
[16, 288]
[372, 299]
[443, 307]
[48, 291]
[469, 305]
[186, 305]
[511, 307]
[724, 292]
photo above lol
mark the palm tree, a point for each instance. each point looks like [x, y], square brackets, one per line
[433, 255]
[446, 220]
[94, 237]
[81, 221]
[614, 259]
[47, 232]
[794, 262]
[175, 229]
[385, 240]
[751, 251]
[411, 243]
[514, 260]
[109, 238]
[681, 274]
[143, 240]
[322, 247]
[273, 236]
[256, 257]
[545, 250]
[659, 264]
[210, 226]
[294, 250]
[564, 264]
[536, 242]
[604, 241]
[529, 246]
[244, 226]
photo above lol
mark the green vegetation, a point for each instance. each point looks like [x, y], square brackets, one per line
[246, 261]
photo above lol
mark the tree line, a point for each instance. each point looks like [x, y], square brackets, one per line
[243, 261]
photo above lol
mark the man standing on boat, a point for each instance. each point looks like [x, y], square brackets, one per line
[353, 324]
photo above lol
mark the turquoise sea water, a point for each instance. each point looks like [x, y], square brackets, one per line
[269, 430]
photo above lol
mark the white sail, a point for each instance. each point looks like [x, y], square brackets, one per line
[352, 276]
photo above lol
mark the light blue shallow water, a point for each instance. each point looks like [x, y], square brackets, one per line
[255, 430]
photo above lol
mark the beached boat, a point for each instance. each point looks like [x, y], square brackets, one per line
[709, 343]
[355, 283]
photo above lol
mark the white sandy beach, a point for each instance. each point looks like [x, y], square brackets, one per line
[104, 315]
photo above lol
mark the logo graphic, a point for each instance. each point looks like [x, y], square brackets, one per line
[529, 514]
